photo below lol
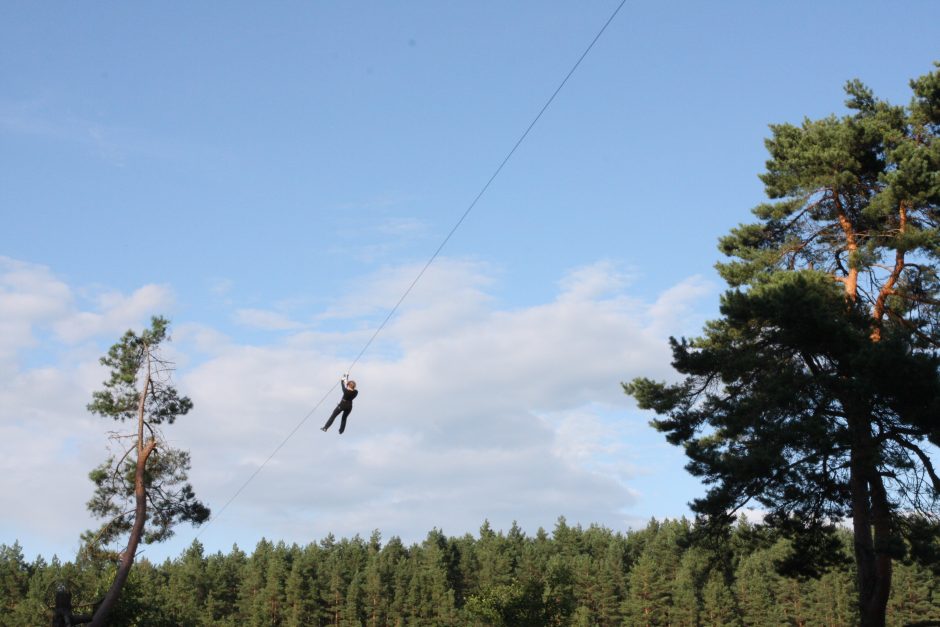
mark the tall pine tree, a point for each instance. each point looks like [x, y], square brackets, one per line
[817, 392]
[142, 494]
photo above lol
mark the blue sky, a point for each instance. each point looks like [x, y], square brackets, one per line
[272, 179]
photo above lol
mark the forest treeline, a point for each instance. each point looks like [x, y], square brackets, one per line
[664, 574]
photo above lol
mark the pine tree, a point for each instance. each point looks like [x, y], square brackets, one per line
[757, 585]
[251, 608]
[495, 562]
[353, 614]
[335, 591]
[687, 588]
[792, 600]
[593, 593]
[143, 493]
[225, 574]
[558, 593]
[403, 567]
[273, 597]
[911, 596]
[188, 586]
[831, 600]
[612, 585]
[14, 577]
[376, 594]
[649, 593]
[24, 587]
[816, 393]
[148, 598]
[718, 606]
[301, 589]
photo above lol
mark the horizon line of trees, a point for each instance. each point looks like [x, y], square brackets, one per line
[669, 573]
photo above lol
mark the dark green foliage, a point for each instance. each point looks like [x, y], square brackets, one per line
[912, 597]
[187, 586]
[718, 602]
[14, 576]
[764, 387]
[923, 536]
[759, 588]
[590, 576]
[173, 499]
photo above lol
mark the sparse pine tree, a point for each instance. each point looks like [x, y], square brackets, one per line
[143, 492]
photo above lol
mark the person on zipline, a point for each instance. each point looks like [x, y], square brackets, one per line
[345, 405]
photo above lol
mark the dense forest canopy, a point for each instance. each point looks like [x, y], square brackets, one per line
[665, 574]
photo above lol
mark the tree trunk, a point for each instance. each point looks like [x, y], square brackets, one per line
[881, 521]
[851, 245]
[140, 510]
[870, 513]
[878, 311]
[62, 616]
[127, 557]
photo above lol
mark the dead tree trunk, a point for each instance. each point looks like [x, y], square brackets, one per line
[62, 616]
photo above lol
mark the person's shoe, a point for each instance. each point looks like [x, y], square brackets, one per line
[322, 428]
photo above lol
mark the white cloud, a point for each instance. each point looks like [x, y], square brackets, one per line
[674, 311]
[115, 313]
[30, 296]
[200, 338]
[594, 281]
[457, 285]
[35, 302]
[50, 441]
[478, 412]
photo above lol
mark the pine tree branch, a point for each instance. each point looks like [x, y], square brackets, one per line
[913, 329]
[117, 466]
[107, 525]
[924, 459]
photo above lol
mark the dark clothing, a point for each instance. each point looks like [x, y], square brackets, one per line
[345, 406]
[348, 394]
[342, 424]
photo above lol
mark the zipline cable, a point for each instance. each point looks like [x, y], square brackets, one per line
[424, 269]
[487, 185]
[265, 462]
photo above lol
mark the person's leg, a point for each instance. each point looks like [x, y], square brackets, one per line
[332, 418]
[342, 424]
